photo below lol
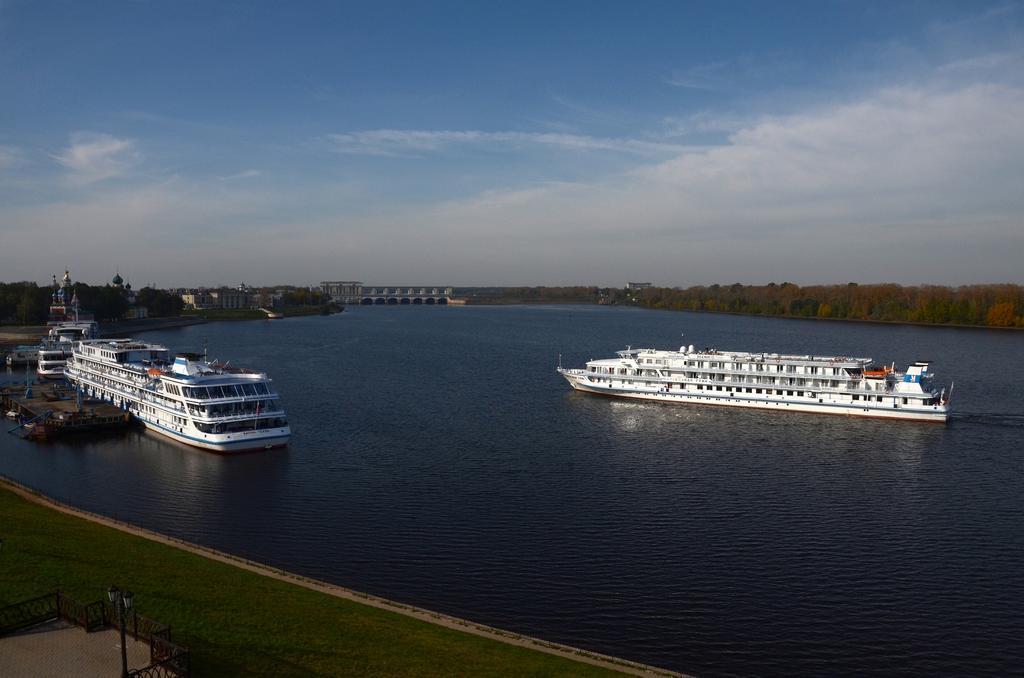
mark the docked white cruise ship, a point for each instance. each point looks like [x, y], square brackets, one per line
[795, 383]
[208, 405]
[55, 350]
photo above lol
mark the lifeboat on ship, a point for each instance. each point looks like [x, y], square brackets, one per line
[876, 372]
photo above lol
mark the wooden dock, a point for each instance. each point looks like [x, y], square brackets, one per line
[48, 410]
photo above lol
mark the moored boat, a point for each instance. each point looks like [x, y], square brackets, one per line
[21, 355]
[184, 397]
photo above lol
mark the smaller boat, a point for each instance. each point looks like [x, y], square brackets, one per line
[12, 414]
[23, 354]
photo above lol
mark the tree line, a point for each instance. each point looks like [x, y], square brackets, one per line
[993, 305]
[28, 303]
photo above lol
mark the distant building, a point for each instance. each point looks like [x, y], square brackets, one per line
[197, 300]
[219, 298]
[225, 298]
[637, 286]
[343, 290]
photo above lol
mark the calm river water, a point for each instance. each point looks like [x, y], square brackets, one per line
[439, 460]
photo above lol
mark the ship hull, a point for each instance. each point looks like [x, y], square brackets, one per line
[233, 444]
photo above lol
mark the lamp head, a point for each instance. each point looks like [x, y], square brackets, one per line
[127, 596]
[112, 593]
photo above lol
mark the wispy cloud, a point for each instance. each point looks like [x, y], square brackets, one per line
[8, 156]
[983, 62]
[246, 174]
[709, 76]
[705, 122]
[93, 157]
[395, 142]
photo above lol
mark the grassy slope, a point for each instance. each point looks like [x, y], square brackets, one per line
[237, 622]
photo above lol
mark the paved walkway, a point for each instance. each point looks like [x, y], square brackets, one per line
[57, 649]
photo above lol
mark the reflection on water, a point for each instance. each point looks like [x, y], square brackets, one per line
[438, 459]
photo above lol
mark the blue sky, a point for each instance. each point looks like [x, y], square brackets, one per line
[189, 143]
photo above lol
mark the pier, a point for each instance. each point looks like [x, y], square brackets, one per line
[47, 411]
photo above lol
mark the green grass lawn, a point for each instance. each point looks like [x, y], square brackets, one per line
[237, 622]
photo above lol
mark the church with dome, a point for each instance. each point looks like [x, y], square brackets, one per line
[135, 311]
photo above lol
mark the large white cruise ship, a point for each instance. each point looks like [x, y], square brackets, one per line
[794, 383]
[208, 405]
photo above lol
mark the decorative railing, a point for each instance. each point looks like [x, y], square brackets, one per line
[28, 613]
[89, 616]
[168, 658]
[136, 625]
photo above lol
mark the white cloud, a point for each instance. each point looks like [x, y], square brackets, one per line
[395, 142]
[907, 184]
[93, 157]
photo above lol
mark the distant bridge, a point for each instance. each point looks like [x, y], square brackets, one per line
[381, 296]
[352, 292]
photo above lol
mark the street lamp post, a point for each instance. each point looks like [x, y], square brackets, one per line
[122, 600]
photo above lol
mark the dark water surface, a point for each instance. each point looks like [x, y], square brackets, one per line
[438, 460]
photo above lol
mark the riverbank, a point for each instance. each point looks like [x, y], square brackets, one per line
[232, 314]
[22, 334]
[827, 320]
[243, 618]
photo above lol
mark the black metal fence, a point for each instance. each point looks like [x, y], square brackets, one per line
[28, 613]
[166, 657]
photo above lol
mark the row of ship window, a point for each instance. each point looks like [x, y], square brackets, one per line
[229, 391]
[788, 369]
[237, 426]
[746, 367]
[824, 383]
[235, 409]
[768, 391]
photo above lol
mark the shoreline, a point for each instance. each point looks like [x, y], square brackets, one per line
[437, 618]
[868, 321]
